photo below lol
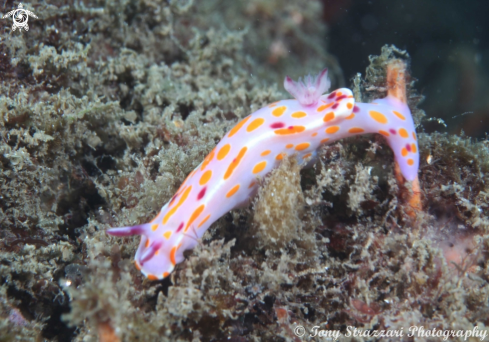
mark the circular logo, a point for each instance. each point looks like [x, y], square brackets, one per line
[20, 17]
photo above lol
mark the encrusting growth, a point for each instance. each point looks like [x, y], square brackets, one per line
[228, 177]
[396, 87]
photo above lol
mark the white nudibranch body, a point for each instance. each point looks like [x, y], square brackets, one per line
[227, 177]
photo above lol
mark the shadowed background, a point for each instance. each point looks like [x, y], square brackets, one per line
[447, 41]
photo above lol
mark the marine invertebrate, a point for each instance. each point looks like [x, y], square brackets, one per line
[227, 177]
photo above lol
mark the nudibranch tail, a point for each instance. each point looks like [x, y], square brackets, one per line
[309, 91]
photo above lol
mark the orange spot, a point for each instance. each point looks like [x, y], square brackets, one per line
[238, 126]
[232, 191]
[194, 216]
[413, 146]
[324, 140]
[280, 156]
[255, 124]
[166, 274]
[403, 133]
[356, 130]
[167, 235]
[414, 136]
[265, 153]
[307, 156]
[298, 115]
[377, 116]
[152, 277]
[339, 93]
[175, 208]
[154, 227]
[147, 244]
[289, 145]
[203, 221]
[326, 106]
[172, 255]
[279, 111]
[384, 133]
[157, 252]
[293, 130]
[332, 129]
[351, 116]
[205, 177]
[252, 184]
[314, 134]
[328, 117]
[410, 162]
[404, 152]
[349, 105]
[223, 152]
[399, 115]
[302, 146]
[137, 265]
[272, 104]
[105, 331]
[235, 163]
[208, 159]
[259, 167]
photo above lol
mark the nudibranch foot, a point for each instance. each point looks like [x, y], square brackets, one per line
[309, 91]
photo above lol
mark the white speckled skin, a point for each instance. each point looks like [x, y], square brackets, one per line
[256, 146]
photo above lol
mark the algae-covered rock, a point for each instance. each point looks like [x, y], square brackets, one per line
[279, 204]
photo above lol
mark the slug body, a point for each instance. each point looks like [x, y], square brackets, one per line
[228, 177]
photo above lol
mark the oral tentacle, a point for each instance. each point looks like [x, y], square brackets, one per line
[126, 231]
[150, 251]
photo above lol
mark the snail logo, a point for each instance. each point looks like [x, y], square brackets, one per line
[20, 16]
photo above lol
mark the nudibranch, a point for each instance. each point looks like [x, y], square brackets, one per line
[228, 176]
